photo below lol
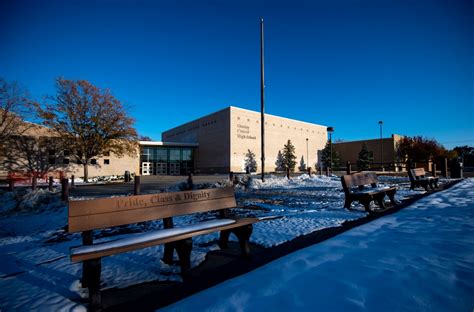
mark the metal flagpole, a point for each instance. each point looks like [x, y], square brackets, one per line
[262, 98]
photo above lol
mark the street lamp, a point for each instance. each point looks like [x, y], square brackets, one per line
[330, 131]
[381, 145]
[307, 157]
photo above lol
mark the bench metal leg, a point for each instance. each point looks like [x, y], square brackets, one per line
[183, 248]
[168, 253]
[85, 274]
[380, 201]
[243, 234]
[94, 269]
[391, 195]
[87, 239]
[433, 184]
[347, 202]
[365, 200]
[224, 239]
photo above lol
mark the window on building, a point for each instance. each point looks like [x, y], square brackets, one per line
[93, 161]
[106, 161]
[145, 154]
[187, 154]
[51, 152]
[66, 161]
[66, 153]
[51, 160]
[160, 154]
[175, 154]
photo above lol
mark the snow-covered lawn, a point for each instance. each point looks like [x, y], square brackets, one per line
[36, 273]
[420, 259]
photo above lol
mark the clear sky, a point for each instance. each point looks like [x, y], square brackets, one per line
[341, 63]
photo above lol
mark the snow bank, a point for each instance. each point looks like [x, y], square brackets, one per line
[420, 259]
[302, 181]
[31, 201]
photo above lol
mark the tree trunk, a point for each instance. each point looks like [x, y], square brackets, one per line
[86, 171]
[34, 182]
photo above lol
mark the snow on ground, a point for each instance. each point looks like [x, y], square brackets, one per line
[419, 259]
[305, 203]
[36, 273]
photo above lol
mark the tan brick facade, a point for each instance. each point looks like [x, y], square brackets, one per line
[105, 166]
[349, 151]
[225, 137]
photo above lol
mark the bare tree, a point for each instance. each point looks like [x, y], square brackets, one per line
[144, 138]
[14, 106]
[90, 122]
[31, 156]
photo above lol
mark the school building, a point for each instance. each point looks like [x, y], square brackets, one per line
[218, 143]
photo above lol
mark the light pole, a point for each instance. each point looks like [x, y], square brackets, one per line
[381, 145]
[330, 131]
[307, 157]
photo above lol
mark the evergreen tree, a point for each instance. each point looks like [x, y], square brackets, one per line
[326, 157]
[289, 156]
[280, 166]
[302, 166]
[250, 162]
[365, 158]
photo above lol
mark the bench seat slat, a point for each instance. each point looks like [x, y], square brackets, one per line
[155, 238]
[373, 190]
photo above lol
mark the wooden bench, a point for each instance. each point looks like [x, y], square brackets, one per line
[364, 188]
[88, 215]
[418, 178]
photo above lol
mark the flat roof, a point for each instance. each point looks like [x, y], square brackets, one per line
[165, 144]
[267, 114]
[243, 109]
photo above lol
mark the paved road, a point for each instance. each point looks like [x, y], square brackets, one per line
[148, 184]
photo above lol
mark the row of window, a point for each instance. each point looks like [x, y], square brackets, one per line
[67, 153]
[153, 153]
[66, 161]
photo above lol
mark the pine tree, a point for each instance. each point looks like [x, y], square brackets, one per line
[279, 163]
[250, 162]
[365, 158]
[289, 156]
[302, 166]
[326, 156]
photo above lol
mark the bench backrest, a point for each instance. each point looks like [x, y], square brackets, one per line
[102, 213]
[417, 172]
[358, 180]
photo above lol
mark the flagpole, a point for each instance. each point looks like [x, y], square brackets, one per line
[262, 98]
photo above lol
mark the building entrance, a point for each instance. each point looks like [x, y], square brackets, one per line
[174, 169]
[147, 168]
[161, 168]
[162, 160]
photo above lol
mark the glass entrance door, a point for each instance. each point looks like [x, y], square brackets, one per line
[161, 168]
[174, 168]
[147, 168]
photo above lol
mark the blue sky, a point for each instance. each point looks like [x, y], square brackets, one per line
[342, 63]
